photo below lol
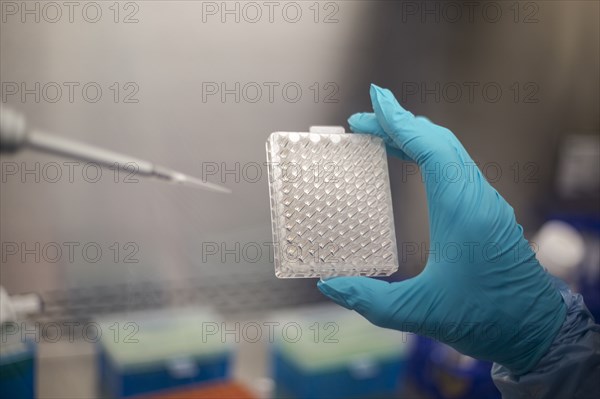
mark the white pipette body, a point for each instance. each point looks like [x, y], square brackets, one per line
[14, 135]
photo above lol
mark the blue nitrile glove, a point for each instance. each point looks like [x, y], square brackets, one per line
[483, 292]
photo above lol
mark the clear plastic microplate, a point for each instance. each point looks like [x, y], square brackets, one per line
[331, 206]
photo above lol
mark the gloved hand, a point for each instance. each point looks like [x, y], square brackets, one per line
[482, 292]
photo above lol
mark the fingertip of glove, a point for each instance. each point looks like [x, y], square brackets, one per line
[374, 89]
[390, 113]
[383, 99]
[355, 119]
[332, 293]
[382, 102]
[381, 96]
[380, 93]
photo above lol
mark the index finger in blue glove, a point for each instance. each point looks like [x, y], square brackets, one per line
[364, 122]
[449, 174]
[417, 137]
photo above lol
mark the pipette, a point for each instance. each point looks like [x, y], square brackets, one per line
[15, 135]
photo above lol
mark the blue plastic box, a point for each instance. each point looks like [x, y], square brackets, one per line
[157, 351]
[338, 355]
[17, 367]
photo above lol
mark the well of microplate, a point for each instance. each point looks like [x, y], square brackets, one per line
[331, 206]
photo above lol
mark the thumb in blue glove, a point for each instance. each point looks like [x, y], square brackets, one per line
[489, 298]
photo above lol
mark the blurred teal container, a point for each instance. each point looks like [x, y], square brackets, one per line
[329, 352]
[159, 350]
[17, 366]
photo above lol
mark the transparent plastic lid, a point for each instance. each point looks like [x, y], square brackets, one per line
[331, 206]
[327, 336]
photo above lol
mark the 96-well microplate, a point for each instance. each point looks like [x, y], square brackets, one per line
[331, 206]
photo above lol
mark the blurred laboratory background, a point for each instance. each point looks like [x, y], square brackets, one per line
[115, 285]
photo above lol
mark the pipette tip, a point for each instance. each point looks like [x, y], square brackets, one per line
[183, 179]
[190, 181]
